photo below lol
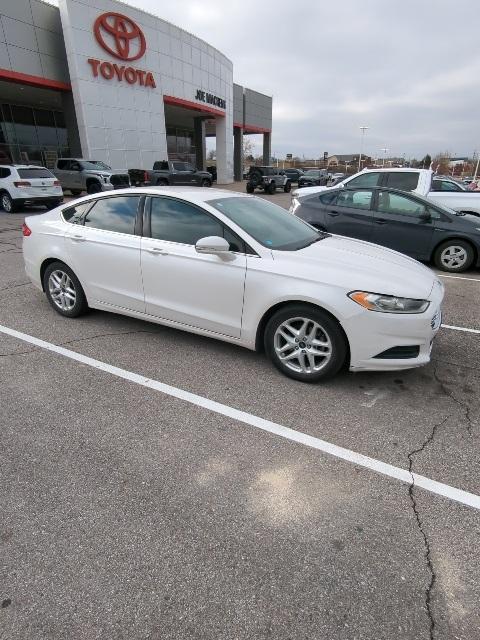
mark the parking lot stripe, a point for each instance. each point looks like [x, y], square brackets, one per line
[458, 278]
[449, 326]
[458, 495]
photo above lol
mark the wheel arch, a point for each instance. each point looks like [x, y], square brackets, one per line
[287, 303]
[48, 261]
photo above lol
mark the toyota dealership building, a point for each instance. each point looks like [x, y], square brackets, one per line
[101, 80]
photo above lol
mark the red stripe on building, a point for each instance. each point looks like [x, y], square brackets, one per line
[195, 106]
[33, 81]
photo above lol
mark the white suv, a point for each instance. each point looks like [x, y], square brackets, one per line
[23, 184]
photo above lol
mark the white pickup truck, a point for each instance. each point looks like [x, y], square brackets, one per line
[420, 181]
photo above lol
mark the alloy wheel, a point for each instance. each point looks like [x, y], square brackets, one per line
[303, 345]
[62, 290]
[453, 257]
[6, 203]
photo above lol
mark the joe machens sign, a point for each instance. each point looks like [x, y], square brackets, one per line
[211, 99]
[122, 38]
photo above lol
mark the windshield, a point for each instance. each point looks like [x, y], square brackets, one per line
[98, 165]
[269, 224]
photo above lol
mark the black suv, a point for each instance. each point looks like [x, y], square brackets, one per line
[293, 174]
[314, 178]
[268, 179]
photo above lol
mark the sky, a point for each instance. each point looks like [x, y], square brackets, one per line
[407, 69]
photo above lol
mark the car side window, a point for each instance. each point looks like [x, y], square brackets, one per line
[74, 214]
[63, 165]
[5, 172]
[177, 221]
[394, 203]
[236, 243]
[356, 199]
[445, 185]
[114, 214]
[328, 198]
[402, 180]
[370, 179]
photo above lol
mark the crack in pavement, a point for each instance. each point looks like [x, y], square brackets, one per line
[428, 555]
[449, 394]
[456, 364]
[14, 286]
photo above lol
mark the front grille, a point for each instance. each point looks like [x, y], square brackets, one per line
[120, 180]
[399, 353]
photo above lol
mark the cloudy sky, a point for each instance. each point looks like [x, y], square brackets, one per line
[407, 69]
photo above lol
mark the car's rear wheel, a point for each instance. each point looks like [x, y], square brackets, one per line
[206, 182]
[454, 256]
[75, 192]
[305, 343]
[64, 291]
[8, 205]
[288, 186]
[271, 188]
[161, 182]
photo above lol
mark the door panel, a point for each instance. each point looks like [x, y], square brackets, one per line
[203, 291]
[350, 214]
[398, 225]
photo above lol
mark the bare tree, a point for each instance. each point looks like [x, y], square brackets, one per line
[211, 154]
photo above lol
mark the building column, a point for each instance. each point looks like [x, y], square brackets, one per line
[200, 144]
[267, 148]
[224, 130]
[237, 154]
[70, 117]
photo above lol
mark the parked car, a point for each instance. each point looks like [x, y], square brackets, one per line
[336, 178]
[23, 185]
[392, 218]
[166, 172]
[240, 269]
[293, 174]
[92, 176]
[212, 170]
[313, 177]
[268, 179]
[442, 183]
[417, 181]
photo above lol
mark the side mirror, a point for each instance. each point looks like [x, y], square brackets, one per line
[426, 216]
[214, 245]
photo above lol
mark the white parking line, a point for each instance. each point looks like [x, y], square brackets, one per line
[458, 277]
[449, 326]
[464, 497]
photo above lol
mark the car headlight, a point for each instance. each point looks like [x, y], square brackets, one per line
[294, 205]
[388, 304]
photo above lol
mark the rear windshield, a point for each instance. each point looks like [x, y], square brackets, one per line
[35, 173]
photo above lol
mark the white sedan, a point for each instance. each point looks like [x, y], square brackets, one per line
[241, 269]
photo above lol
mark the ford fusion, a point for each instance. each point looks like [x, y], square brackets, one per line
[240, 269]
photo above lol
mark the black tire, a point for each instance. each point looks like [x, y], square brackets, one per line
[80, 306]
[206, 182]
[7, 202]
[52, 205]
[75, 192]
[454, 256]
[324, 368]
[271, 188]
[288, 186]
[161, 182]
[250, 187]
[94, 187]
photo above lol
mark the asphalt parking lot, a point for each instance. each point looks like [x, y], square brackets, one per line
[130, 510]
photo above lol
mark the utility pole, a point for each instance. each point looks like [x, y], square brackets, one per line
[385, 154]
[362, 129]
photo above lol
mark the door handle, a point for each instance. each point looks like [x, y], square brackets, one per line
[156, 251]
[333, 213]
[380, 221]
[78, 238]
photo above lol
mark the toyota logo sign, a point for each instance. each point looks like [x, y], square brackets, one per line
[120, 36]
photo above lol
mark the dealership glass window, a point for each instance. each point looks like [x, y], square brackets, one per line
[177, 221]
[114, 214]
[46, 128]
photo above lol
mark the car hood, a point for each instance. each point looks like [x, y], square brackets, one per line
[355, 264]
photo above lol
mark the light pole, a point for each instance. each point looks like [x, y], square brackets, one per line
[385, 155]
[362, 129]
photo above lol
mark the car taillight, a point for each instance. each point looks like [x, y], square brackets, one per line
[145, 176]
[23, 183]
[56, 183]
[26, 230]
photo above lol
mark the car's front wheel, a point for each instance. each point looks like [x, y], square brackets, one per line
[8, 205]
[454, 256]
[305, 343]
[206, 183]
[250, 187]
[271, 188]
[64, 291]
[288, 186]
[94, 187]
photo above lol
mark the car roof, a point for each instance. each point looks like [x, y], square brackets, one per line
[24, 166]
[193, 194]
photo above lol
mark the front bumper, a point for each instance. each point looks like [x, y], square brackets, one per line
[371, 333]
